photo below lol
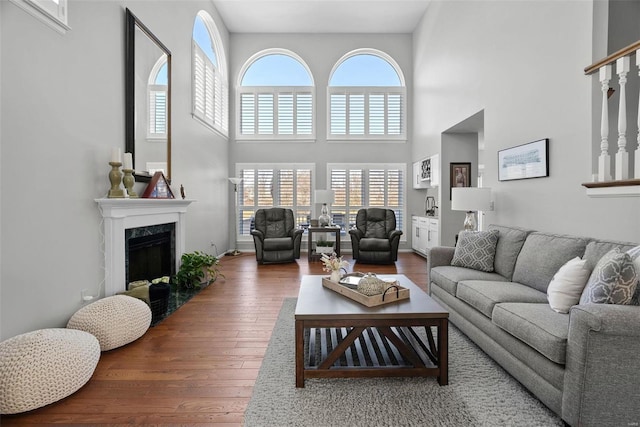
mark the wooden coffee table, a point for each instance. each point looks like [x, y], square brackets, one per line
[339, 337]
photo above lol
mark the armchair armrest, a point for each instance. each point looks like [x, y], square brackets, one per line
[395, 234]
[354, 232]
[259, 234]
[296, 232]
[603, 368]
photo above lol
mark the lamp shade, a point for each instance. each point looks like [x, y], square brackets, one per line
[324, 196]
[471, 199]
[235, 181]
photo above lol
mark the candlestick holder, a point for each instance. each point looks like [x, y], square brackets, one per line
[116, 178]
[128, 182]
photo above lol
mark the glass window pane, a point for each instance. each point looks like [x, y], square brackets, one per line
[276, 70]
[365, 70]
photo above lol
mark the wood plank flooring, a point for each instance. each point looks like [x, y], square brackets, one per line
[198, 366]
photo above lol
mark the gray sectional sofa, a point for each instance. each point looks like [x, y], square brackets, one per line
[584, 365]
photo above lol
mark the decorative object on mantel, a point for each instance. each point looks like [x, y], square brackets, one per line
[128, 179]
[115, 177]
[524, 161]
[333, 264]
[470, 200]
[158, 188]
[182, 193]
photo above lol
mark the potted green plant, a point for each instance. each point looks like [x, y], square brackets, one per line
[197, 269]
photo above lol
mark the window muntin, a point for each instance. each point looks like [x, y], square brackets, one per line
[358, 186]
[276, 98]
[209, 82]
[367, 105]
[263, 186]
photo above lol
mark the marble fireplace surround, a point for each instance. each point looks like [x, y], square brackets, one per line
[122, 214]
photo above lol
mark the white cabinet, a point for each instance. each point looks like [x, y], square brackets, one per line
[424, 234]
[418, 182]
[426, 172]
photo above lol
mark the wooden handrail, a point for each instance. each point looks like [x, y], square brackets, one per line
[612, 58]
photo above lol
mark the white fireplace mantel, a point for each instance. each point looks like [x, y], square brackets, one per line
[122, 214]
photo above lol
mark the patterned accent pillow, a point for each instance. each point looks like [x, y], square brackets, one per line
[613, 280]
[634, 253]
[476, 250]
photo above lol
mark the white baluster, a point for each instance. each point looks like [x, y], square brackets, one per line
[622, 157]
[604, 161]
[637, 157]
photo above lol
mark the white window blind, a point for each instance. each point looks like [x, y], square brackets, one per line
[278, 112]
[210, 92]
[268, 185]
[157, 128]
[358, 186]
[367, 113]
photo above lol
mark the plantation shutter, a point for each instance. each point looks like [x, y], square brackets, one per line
[157, 111]
[281, 113]
[210, 92]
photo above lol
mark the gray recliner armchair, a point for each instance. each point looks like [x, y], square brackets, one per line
[375, 239]
[275, 236]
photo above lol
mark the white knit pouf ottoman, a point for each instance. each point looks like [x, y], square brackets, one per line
[115, 321]
[44, 366]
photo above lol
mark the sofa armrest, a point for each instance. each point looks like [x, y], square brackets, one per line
[603, 368]
[439, 255]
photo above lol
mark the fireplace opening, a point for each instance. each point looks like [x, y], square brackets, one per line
[150, 252]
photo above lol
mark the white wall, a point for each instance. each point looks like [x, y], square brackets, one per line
[321, 52]
[56, 144]
[522, 63]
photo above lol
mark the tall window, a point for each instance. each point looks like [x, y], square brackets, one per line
[210, 84]
[360, 185]
[367, 98]
[283, 185]
[157, 96]
[276, 97]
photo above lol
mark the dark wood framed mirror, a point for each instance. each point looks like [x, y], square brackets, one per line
[148, 100]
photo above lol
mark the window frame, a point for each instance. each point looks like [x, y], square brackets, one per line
[351, 210]
[277, 92]
[218, 119]
[275, 167]
[48, 12]
[367, 92]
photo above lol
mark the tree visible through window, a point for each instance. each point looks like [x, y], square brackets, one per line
[276, 98]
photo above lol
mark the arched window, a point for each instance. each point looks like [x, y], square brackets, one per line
[367, 98]
[276, 97]
[157, 96]
[210, 84]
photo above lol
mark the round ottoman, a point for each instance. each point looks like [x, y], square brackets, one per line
[115, 320]
[44, 366]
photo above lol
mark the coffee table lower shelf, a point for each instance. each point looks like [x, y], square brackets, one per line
[363, 350]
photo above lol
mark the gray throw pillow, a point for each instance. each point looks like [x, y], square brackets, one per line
[476, 250]
[613, 280]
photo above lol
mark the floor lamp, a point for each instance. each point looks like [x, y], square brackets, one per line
[235, 182]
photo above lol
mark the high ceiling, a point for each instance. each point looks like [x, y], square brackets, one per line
[321, 16]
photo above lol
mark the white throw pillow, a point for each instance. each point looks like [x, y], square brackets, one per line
[567, 285]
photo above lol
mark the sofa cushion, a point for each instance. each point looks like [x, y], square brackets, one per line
[510, 241]
[536, 325]
[542, 255]
[634, 253]
[447, 277]
[613, 280]
[372, 244]
[567, 285]
[484, 295]
[278, 244]
[596, 249]
[476, 250]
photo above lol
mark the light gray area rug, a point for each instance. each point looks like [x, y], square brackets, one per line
[480, 393]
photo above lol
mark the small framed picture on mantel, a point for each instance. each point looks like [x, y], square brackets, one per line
[158, 188]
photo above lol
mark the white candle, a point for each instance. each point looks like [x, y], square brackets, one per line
[128, 161]
[115, 155]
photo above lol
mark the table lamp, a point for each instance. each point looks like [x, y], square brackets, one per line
[471, 199]
[325, 197]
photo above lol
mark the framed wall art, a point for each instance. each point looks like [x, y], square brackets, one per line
[158, 188]
[459, 175]
[524, 161]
